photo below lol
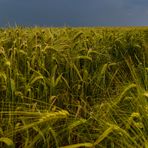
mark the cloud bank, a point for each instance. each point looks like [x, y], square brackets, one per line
[74, 13]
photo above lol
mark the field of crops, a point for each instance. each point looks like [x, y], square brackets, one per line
[74, 87]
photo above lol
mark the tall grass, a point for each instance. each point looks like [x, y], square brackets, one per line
[73, 87]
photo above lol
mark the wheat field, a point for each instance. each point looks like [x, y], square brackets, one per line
[74, 87]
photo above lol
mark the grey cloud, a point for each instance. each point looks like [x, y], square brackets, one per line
[74, 12]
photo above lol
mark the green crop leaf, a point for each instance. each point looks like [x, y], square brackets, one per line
[89, 145]
[85, 58]
[8, 142]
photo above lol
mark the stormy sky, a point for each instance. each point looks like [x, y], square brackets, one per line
[74, 12]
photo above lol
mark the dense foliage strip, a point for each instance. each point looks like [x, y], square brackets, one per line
[74, 87]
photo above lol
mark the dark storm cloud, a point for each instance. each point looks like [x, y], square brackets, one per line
[74, 12]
